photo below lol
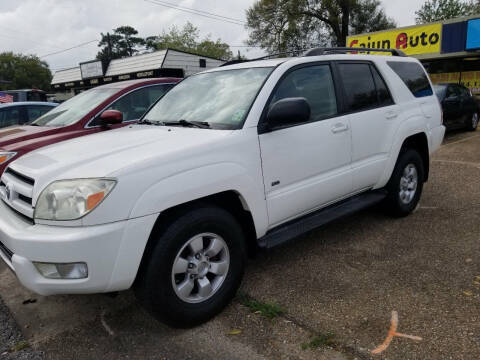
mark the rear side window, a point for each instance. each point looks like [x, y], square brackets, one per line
[359, 86]
[10, 116]
[413, 75]
[384, 97]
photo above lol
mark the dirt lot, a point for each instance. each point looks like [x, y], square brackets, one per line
[337, 286]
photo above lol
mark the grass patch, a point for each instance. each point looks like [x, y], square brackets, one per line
[268, 310]
[320, 341]
[22, 345]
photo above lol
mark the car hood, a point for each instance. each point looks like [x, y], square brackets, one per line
[15, 134]
[114, 152]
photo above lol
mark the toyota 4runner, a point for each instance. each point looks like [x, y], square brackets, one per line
[242, 156]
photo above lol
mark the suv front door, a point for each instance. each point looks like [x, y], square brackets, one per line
[306, 166]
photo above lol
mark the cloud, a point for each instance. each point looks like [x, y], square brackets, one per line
[44, 26]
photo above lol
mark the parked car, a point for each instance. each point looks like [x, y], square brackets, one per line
[21, 113]
[27, 95]
[82, 115]
[242, 156]
[460, 108]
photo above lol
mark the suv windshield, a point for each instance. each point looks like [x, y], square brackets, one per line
[75, 108]
[220, 98]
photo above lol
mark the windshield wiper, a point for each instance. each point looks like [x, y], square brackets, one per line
[187, 123]
[149, 122]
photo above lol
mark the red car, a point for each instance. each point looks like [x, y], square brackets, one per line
[98, 109]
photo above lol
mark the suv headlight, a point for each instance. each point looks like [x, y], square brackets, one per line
[72, 199]
[5, 156]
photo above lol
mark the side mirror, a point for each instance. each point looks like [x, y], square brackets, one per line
[111, 117]
[289, 111]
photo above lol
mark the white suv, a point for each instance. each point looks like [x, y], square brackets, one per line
[243, 156]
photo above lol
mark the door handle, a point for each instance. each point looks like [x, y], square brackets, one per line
[339, 127]
[391, 115]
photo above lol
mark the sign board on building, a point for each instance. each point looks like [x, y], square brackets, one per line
[91, 69]
[473, 35]
[415, 40]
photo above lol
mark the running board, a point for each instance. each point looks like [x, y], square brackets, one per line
[297, 227]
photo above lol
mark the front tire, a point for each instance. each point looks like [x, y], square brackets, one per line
[194, 269]
[406, 184]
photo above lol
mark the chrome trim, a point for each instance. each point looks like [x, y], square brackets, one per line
[87, 125]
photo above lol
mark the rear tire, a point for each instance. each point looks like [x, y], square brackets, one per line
[194, 268]
[405, 185]
[473, 123]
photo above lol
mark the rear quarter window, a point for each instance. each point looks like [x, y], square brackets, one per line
[414, 76]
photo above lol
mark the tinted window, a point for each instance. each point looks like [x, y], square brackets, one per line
[359, 87]
[134, 104]
[453, 91]
[384, 97]
[465, 92]
[440, 90]
[34, 112]
[413, 75]
[10, 116]
[313, 83]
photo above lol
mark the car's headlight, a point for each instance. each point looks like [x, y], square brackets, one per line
[5, 156]
[72, 199]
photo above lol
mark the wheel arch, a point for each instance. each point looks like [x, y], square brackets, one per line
[418, 142]
[231, 201]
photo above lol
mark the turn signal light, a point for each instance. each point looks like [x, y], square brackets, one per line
[94, 199]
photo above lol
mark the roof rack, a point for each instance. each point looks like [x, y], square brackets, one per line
[344, 50]
[319, 51]
[272, 56]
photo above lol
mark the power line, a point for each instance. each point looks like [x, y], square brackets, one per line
[198, 12]
[73, 47]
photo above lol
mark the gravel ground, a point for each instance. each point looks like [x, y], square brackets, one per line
[12, 344]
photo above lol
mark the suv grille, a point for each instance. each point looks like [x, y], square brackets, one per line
[16, 191]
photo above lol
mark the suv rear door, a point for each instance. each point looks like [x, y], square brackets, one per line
[373, 116]
[306, 165]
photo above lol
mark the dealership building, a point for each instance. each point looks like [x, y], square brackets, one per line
[165, 63]
[449, 50]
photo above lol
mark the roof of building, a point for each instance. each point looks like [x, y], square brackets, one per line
[136, 63]
[67, 75]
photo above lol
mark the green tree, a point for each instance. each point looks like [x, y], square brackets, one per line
[122, 43]
[187, 39]
[19, 71]
[276, 26]
[438, 10]
[281, 25]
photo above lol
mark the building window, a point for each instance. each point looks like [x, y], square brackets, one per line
[203, 63]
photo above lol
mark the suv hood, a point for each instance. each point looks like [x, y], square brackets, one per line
[114, 152]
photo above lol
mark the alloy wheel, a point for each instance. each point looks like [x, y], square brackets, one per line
[200, 267]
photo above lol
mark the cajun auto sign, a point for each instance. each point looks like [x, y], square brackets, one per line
[415, 40]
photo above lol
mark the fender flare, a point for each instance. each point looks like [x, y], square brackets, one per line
[412, 126]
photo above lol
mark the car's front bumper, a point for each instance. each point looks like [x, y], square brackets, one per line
[112, 252]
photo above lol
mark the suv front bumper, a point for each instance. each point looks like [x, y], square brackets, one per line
[112, 252]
